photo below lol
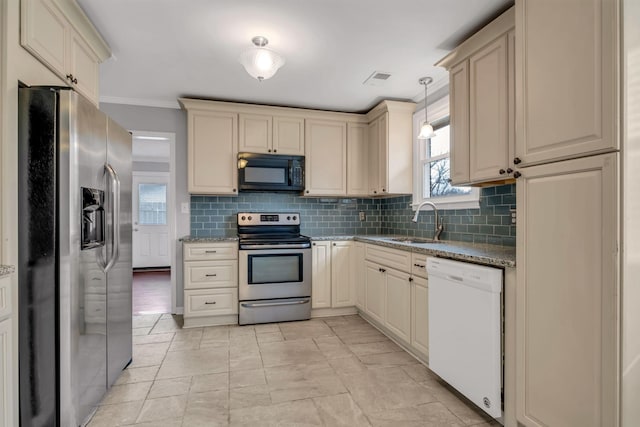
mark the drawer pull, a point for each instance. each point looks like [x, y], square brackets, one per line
[209, 303]
[273, 304]
[211, 275]
[210, 252]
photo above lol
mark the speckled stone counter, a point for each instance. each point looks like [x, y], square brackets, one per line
[497, 256]
[5, 270]
[193, 239]
[336, 238]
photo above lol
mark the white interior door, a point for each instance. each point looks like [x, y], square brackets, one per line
[151, 220]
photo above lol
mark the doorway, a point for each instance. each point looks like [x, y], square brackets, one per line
[153, 220]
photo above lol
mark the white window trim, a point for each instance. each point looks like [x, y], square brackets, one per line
[437, 110]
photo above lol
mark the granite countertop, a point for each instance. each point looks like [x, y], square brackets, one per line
[5, 270]
[194, 239]
[493, 255]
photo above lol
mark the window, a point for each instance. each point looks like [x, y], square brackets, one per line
[152, 204]
[432, 164]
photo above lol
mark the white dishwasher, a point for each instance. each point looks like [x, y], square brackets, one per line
[465, 330]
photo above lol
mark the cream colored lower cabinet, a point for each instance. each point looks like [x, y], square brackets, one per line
[359, 275]
[375, 292]
[210, 283]
[420, 315]
[567, 356]
[6, 372]
[398, 303]
[333, 272]
[321, 274]
[342, 274]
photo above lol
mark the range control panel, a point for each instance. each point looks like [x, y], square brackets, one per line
[263, 218]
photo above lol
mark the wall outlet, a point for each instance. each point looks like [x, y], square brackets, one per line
[185, 208]
[363, 216]
[513, 216]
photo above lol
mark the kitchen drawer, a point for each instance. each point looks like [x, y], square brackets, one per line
[210, 274]
[210, 251]
[210, 302]
[5, 296]
[419, 265]
[400, 260]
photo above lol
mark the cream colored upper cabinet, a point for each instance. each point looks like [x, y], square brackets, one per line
[357, 160]
[321, 275]
[212, 152]
[481, 104]
[261, 133]
[50, 37]
[255, 133]
[567, 79]
[288, 135]
[326, 158]
[373, 134]
[44, 32]
[567, 293]
[84, 67]
[489, 112]
[390, 148]
[459, 122]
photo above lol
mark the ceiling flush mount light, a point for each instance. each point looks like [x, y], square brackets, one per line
[261, 63]
[426, 131]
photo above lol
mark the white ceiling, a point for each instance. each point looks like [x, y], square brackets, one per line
[165, 49]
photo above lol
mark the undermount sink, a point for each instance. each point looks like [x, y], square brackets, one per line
[414, 240]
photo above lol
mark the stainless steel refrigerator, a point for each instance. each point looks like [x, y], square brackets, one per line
[74, 268]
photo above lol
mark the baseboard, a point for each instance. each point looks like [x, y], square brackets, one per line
[198, 322]
[329, 312]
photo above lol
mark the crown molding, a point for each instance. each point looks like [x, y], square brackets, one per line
[141, 102]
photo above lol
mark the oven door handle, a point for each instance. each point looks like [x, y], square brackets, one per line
[283, 246]
[272, 304]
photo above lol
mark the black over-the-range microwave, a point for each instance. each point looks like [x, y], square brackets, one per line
[270, 172]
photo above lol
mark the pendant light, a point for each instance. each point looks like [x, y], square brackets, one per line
[426, 131]
[261, 63]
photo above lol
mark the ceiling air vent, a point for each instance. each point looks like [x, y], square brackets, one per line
[378, 78]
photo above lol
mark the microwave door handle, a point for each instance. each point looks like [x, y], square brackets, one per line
[290, 162]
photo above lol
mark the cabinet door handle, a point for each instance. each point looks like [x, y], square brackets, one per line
[384, 190]
[334, 244]
[517, 161]
[307, 191]
[375, 192]
[502, 171]
[275, 151]
[517, 174]
[210, 275]
[411, 279]
[234, 190]
[269, 150]
[314, 244]
[209, 303]
[72, 79]
[449, 180]
[509, 170]
[210, 252]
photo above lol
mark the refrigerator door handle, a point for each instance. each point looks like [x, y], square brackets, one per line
[115, 207]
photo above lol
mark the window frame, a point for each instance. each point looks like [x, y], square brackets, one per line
[438, 112]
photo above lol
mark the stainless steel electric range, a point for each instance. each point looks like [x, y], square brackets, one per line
[274, 268]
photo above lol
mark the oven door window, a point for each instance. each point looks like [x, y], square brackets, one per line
[274, 268]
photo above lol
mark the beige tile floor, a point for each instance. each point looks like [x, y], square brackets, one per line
[337, 371]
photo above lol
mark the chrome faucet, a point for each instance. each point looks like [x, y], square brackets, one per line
[439, 225]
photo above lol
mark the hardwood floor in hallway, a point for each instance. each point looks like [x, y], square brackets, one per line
[151, 292]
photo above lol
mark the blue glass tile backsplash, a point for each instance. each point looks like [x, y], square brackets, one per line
[216, 216]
